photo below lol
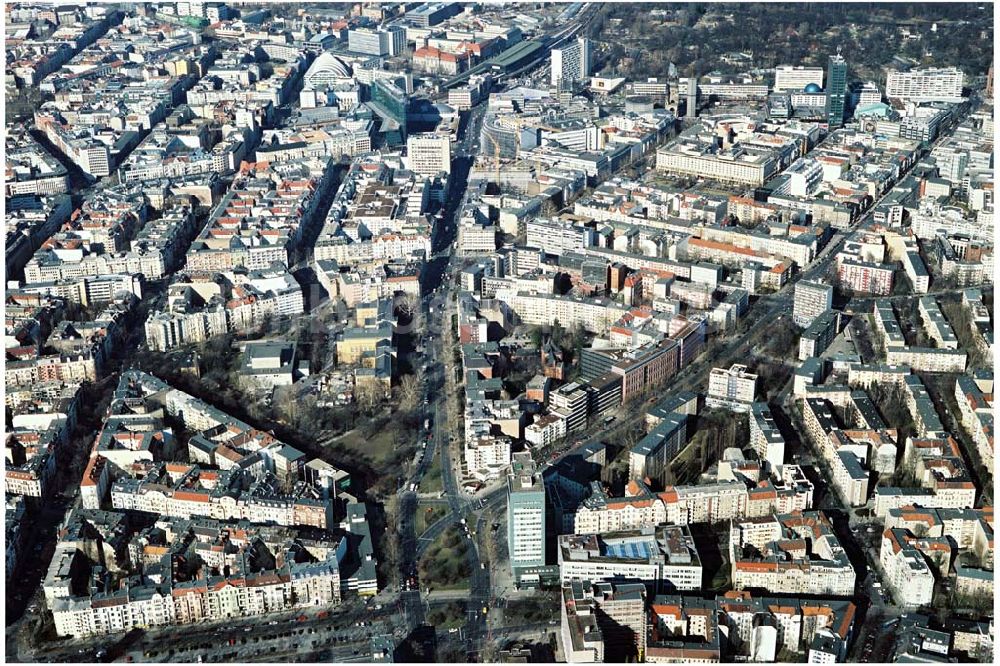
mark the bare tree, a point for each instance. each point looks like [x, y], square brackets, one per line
[391, 539]
[368, 395]
[286, 402]
[409, 393]
[409, 305]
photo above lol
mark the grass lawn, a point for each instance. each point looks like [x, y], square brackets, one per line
[460, 585]
[427, 516]
[720, 581]
[432, 483]
[378, 450]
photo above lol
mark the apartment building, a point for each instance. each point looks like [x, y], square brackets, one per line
[886, 323]
[864, 276]
[795, 553]
[653, 455]
[820, 334]
[928, 359]
[811, 300]
[617, 609]
[487, 456]
[557, 237]
[765, 437]
[594, 314]
[598, 513]
[907, 573]
[935, 323]
[930, 84]
[976, 410]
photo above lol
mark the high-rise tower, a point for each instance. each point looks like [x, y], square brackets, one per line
[836, 90]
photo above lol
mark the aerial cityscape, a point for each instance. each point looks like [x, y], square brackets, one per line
[499, 332]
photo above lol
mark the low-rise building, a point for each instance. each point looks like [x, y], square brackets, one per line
[664, 558]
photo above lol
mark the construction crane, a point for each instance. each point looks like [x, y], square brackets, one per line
[496, 156]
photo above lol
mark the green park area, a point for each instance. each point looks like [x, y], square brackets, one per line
[445, 565]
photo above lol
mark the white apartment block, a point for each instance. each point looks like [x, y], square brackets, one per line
[46, 266]
[166, 330]
[705, 503]
[811, 300]
[933, 84]
[486, 457]
[906, 572]
[545, 430]
[887, 498]
[557, 237]
[765, 438]
[928, 359]
[734, 388]
[595, 315]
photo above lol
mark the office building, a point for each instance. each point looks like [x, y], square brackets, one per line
[390, 41]
[788, 78]
[836, 91]
[663, 558]
[691, 109]
[571, 63]
[526, 517]
[429, 154]
[432, 13]
[391, 104]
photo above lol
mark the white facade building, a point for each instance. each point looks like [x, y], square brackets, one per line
[789, 78]
[933, 84]
[429, 154]
[571, 63]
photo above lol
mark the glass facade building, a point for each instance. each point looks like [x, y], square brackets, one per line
[836, 90]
